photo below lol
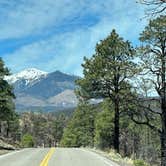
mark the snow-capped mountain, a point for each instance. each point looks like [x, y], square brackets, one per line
[36, 89]
[30, 75]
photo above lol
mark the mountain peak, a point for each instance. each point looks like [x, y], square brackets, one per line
[32, 70]
[29, 74]
[37, 89]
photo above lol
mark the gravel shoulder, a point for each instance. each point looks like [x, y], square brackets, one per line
[115, 158]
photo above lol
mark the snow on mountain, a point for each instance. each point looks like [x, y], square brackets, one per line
[35, 89]
[30, 75]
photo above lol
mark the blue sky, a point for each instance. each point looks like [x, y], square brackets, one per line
[56, 34]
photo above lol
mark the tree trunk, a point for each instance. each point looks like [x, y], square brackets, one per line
[163, 149]
[116, 126]
[163, 108]
[7, 129]
[163, 133]
[163, 144]
[0, 128]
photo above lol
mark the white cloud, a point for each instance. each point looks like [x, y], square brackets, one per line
[20, 18]
[33, 17]
[65, 51]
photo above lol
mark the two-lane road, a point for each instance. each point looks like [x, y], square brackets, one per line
[54, 157]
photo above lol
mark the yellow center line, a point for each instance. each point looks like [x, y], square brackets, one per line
[47, 157]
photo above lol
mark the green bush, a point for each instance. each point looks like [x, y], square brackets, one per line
[27, 141]
[140, 163]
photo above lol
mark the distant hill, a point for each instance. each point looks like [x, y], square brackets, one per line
[38, 90]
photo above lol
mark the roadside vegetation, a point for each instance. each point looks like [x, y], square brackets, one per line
[132, 117]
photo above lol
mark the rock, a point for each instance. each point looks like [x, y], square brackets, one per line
[6, 146]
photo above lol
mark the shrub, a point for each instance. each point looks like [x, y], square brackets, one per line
[140, 163]
[27, 141]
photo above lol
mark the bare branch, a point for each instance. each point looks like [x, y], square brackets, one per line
[147, 123]
[155, 6]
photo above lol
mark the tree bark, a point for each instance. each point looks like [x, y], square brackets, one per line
[0, 128]
[163, 133]
[163, 109]
[163, 139]
[7, 129]
[163, 148]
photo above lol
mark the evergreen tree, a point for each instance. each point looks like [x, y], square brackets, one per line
[57, 126]
[104, 127]
[6, 97]
[80, 130]
[106, 75]
[153, 58]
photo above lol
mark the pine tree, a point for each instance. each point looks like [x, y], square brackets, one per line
[80, 130]
[153, 61]
[6, 97]
[104, 127]
[106, 75]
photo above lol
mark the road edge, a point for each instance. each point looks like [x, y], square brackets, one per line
[106, 159]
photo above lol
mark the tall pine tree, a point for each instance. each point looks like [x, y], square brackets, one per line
[7, 113]
[153, 58]
[106, 75]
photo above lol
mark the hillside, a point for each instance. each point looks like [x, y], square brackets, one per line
[38, 90]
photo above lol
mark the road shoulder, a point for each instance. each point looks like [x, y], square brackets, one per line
[102, 156]
[108, 157]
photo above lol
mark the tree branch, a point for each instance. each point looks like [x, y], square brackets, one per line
[147, 123]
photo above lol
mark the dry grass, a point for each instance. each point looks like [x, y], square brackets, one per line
[116, 157]
[5, 151]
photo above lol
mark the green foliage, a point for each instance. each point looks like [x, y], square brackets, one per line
[7, 107]
[110, 66]
[152, 54]
[153, 60]
[46, 129]
[107, 74]
[3, 70]
[27, 141]
[154, 32]
[104, 127]
[140, 163]
[80, 130]
[14, 128]
[6, 95]
[57, 126]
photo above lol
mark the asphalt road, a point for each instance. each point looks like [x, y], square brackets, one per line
[54, 157]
